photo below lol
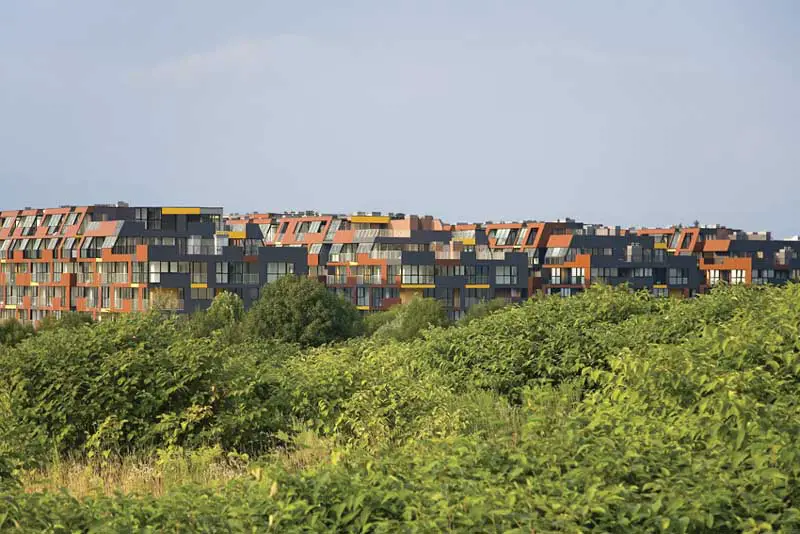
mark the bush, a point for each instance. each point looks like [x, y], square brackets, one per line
[607, 412]
[13, 332]
[483, 309]
[67, 320]
[408, 321]
[136, 383]
[297, 309]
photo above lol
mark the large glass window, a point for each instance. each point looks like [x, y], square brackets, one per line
[417, 274]
[505, 275]
[477, 274]
[276, 270]
[678, 277]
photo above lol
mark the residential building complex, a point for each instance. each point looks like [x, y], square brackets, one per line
[110, 259]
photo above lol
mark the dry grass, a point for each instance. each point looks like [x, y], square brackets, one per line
[141, 475]
[157, 474]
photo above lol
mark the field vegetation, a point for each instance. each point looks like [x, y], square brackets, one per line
[610, 411]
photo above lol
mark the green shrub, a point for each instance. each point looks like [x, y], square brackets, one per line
[297, 309]
[408, 321]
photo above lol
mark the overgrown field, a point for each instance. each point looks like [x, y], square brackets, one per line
[608, 411]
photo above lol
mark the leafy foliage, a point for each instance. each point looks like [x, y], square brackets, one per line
[482, 309]
[610, 411]
[408, 321]
[13, 332]
[301, 310]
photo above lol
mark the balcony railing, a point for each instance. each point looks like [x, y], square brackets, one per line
[386, 254]
[369, 280]
[448, 254]
[342, 257]
[40, 278]
[115, 278]
[372, 233]
[201, 250]
[250, 279]
[333, 279]
[85, 278]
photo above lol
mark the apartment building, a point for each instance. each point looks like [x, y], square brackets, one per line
[110, 259]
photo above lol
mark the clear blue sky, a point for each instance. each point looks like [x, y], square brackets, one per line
[622, 112]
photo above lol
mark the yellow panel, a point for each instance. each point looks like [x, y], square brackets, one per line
[659, 286]
[11, 306]
[477, 286]
[466, 240]
[353, 263]
[34, 284]
[418, 286]
[236, 235]
[180, 211]
[134, 285]
[199, 286]
[661, 246]
[98, 260]
[383, 219]
[365, 308]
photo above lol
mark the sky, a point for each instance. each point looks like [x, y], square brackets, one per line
[618, 112]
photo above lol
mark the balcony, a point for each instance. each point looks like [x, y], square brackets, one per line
[335, 280]
[115, 278]
[372, 233]
[40, 278]
[448, 254]
[250, 279]
[202, 250]
[373, 280]
[343, 257]
[386, 254]
[84, 278]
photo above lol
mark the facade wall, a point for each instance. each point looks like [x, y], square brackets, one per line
[105, 259]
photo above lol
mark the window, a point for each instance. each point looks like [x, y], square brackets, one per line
[660, 292]
[362, 295]
[198, 272]
[687, 239]
[92, 247]
[678, 277]
[659, 256]
[796, 274]
[277, 270]
[417, 274]
[555, 275]
[477, 274]
[566, 292]
[643, 272]
[474, 296]
[449, 270]
[602, 274]
[763, 276]
[738, 276]
[505, 275]
[578, 275]
[221, 272]
[202, 293]
[713, 277]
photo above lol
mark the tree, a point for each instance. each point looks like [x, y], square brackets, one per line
[302, 310]
[67, 320]
[13, 332]
[409, 320]
[223, 317]
[483, 309]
